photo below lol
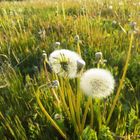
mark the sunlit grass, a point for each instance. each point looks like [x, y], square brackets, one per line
[29, 28]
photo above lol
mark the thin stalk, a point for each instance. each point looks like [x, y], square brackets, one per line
[99, 113]
[78, 106]
[91, 119]
[99, 108]
[72, 112]
[72, 96]
[85, 113]
[78, 48]
[51, 89]
[76, 115]
[121, 81]
[48, 116]
[63, 10]
[78, 94]
[72, 108]
[64, 103]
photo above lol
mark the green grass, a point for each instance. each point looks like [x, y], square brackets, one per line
[22, 75]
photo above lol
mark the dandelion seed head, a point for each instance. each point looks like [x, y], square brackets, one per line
[42, 33]
[64, 63]
[76, 38]
[53, 84]
[114, 22]
[133, 24]
[80, 65]
[58, 116]
[97, 83]
[44, 55]
[57, 43]
[98, 56]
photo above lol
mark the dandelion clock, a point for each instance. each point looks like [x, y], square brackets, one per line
[66, 63]
[97, 83]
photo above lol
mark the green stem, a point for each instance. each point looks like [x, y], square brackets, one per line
[48, 116]
[85, 113]
[78, 48]
[99, 113]
[99, 108]
[91, 119]
[63, 10]
[51, 89]
[78, 105]
[72, 107]
[121, 81]
[64, 103]
[72, 112]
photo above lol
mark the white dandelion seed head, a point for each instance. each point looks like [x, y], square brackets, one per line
[66, 63]
[98, 83]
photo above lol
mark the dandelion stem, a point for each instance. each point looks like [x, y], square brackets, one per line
[91, 119]
[78, 105]
[72, 107]
[64, 103]
[121, 81]
[51, 89]
[85, 113]
[63, 10]
[99, 113]
[99, 108]
[48, 116]
[78, 94]
[78, 48]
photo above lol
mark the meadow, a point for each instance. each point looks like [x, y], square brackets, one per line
[38, 104]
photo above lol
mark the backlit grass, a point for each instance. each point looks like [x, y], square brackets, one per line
[29, 28]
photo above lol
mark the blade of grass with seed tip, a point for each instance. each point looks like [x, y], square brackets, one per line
[122, 80]
[48, 116]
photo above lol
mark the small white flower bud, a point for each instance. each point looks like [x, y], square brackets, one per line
[114, 22]
[98, 56]
[53, 84]
[57, 43]
[80, 65]
[76, 38]
[58, 116]
[44, 55]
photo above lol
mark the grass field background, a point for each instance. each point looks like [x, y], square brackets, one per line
[29, 28]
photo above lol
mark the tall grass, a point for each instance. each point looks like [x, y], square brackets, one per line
[28, 28]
